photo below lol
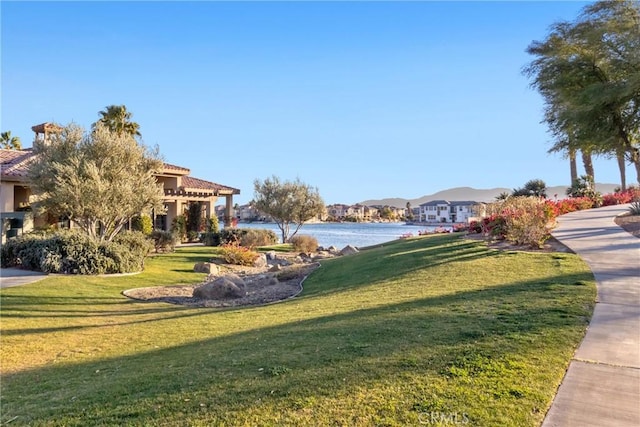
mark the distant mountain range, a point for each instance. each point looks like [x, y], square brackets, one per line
[473, 194]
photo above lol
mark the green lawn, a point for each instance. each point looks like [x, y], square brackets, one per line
[416, 331]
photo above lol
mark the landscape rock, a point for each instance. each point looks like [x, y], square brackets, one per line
[206, 267]
[322, 255]
[220, 288]
[239, 281]
[349, 250]
[333, 250]
[261, 261]
[263, 280]
[275, 268]
[271, 255]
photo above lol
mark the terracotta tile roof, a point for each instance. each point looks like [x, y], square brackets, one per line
[191, 183]
[15, 163]
[170, 167]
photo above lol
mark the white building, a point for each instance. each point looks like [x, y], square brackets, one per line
[444, 211]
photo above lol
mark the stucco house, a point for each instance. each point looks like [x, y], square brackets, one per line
[180, 189]
[444, 211]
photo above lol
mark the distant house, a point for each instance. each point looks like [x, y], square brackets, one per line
[337, 211]
[444, 211]
[180, 190]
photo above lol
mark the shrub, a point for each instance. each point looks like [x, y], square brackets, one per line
[304, 243]
[254, 237]
[635, 208]
[585, 187]
[621, 197]
[143, 224]
[164, 241]
[130, 249]
[192, 236]
[233, 253]
[248, 237]
[210, 239]
[195, 220]
[179, 227]
[231, 235]
[71, 252]
[213, 226]
[521, 220]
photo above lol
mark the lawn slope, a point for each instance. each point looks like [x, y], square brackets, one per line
[424, 330]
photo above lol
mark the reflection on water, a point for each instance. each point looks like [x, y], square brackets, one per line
[348, 233]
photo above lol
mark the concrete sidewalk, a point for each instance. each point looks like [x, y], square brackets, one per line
[602, 385]
[10, 277]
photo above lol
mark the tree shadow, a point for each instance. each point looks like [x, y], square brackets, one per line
[325, 356]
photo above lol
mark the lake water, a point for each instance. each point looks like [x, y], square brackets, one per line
[348, 233]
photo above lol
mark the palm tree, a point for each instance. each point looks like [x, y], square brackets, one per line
[118, 119]
[10, 142]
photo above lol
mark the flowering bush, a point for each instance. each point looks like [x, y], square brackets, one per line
[521, 220]
[572, 204]
[631, 194]
[529, 220]
[233, 253]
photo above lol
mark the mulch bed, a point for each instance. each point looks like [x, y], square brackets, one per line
[630, 223]
[257, 292]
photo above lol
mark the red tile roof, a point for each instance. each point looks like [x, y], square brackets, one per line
[189, 182]
[169, 166]
[15, 163]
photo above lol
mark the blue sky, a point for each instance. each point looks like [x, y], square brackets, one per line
[364, 100]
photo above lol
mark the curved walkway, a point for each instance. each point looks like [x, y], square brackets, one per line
[602, 385]
[10, 277]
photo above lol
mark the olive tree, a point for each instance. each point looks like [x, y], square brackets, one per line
[288, 203]
[99, 180]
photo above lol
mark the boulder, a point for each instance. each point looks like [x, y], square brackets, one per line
[220, 288]
[275, 267]
[263, 280]
[322, 255]
[206, 267]
[235, 279]
[349, 250]
[261, 261]
[271, 255]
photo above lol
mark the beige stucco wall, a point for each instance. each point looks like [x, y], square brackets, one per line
[6, 197]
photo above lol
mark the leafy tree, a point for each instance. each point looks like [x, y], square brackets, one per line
[409, 211]
[288, 203]
[99, 180]
[387, 213]
[587, 72]
[10, 142]
[534, 187]
[117, 119]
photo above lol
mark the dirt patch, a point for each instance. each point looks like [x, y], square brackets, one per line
[630, 223]
[288, 285]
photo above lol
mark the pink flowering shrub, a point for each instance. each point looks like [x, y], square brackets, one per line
[631, 194]
[528, 221]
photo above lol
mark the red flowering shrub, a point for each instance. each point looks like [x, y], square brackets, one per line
[521, 220]
[621, 197]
